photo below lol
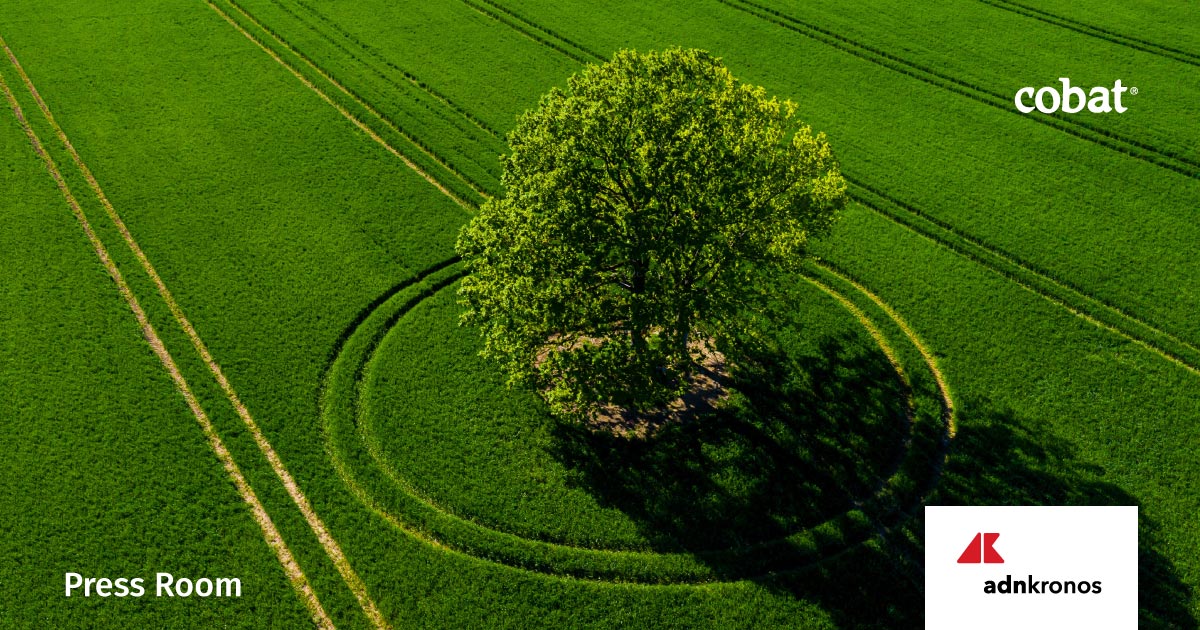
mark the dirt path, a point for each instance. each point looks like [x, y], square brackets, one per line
[272, 536]
[328, 542]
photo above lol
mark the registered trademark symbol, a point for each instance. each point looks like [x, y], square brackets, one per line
[1072, 99]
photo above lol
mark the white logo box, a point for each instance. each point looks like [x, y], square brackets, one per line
[1049, 544]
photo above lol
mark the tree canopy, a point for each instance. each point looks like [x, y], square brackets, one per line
[642, 206]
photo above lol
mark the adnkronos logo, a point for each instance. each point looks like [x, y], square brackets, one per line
[1031, 567]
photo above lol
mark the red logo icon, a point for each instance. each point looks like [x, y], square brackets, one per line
[980, 550]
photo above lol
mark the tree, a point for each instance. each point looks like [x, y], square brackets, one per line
[642, 206]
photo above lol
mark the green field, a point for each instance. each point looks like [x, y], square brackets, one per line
[1005, 314]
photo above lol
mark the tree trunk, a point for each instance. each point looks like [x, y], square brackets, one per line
[683, 324]
[638, 338]
[637, 325]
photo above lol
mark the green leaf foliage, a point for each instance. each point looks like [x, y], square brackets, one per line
[642, 205]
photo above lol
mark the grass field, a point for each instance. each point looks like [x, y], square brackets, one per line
[275, 388]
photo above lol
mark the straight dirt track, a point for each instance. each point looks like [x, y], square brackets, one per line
[328, 542]
[346, 113]
[271, 534]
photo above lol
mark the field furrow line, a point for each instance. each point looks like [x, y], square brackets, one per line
[365, 311]
[884, 532]
[562, 50]
[271, 535]
[411, 78]
[357, 99]
[930, 359]
[1062, 293]
[939, 226]
[1079, 304]
[410, 82]
[1090, 30]
[1084, 131]
[330, 545]
[506, 16]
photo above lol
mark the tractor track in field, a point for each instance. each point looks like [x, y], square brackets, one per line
[1133, 148]
[291, 568]
[328, 543]
[883, 511]
[885, 530]
[1062, 293]
[522, 26]
[365, 103]
[951, 417]
[411, 78]
[1099, 312]
[1111, 140]
[409, 83]
[1098, 32]
[515, 21]
[356, 98]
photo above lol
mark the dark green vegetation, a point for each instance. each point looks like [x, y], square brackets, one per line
[645, 208]
[281, 227]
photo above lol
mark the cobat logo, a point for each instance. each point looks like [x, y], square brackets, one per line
[981, 550]
[1072, 99]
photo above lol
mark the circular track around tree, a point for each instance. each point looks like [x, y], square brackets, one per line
[930, 426]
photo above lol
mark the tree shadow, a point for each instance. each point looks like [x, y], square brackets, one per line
[997, 458]
[809, 438]
[802, 440]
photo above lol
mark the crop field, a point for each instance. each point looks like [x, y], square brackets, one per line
[230, 342]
